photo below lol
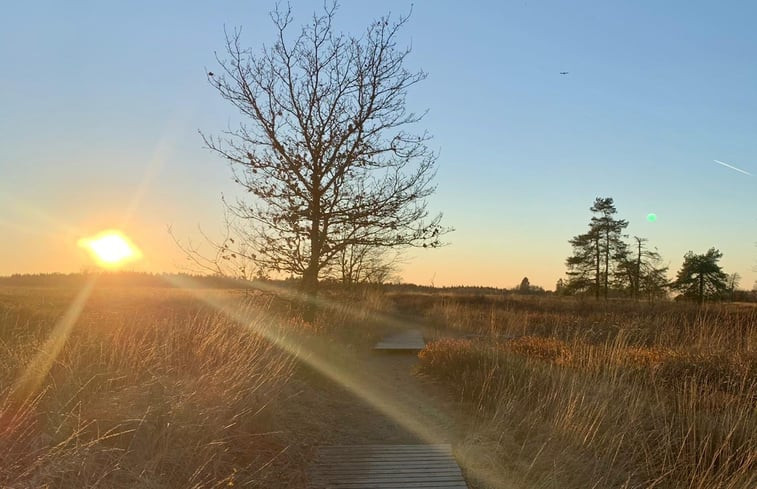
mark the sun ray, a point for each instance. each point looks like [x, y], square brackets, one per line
[335, 364]
[31, 214]
[160, 154]
[30, 380]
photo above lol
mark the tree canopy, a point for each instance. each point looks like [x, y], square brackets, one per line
[327, 151]
[594, 252]
[701, 277]
[603, 262]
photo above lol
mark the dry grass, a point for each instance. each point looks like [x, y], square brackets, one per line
[608, 395]
[158, 388]
[152, 389]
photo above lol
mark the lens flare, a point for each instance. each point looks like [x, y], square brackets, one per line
[651, 217]
[111, 248]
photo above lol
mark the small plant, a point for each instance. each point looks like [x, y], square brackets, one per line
[546, 349]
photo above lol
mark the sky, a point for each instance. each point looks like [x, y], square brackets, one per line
[101, 104]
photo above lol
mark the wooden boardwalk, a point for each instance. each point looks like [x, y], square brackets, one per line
[411, 340]
[386, 467]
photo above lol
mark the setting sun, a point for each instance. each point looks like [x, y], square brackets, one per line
[111, 248]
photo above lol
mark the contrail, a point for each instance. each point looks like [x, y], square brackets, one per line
[733, 168]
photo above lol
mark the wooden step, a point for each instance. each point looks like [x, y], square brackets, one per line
[386, 467]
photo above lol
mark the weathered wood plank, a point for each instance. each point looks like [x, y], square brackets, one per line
[402, 485]
[385, 464]
[388, 448]
[411, 339]
[451, 468]
[386, 467]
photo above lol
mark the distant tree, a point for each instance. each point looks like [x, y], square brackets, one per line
[327, 151]
[611, 239]
[640, 269]
[560, 286]
[734, 280]
[525, 286]
[595, 252]
[654, 283]
[584, 266]
[700, 276]
[366, 264]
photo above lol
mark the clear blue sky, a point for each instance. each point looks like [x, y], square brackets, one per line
[101, 101]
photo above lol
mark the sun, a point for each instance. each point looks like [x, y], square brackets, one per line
[111, 248]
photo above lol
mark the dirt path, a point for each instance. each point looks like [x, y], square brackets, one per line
[351, 395]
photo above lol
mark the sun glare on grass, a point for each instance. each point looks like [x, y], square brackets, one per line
[111, 248]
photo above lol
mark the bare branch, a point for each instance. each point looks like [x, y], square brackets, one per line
[327, 151]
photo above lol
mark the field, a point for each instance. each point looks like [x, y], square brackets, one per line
[618, 394]
[151, 388]
[159, 387]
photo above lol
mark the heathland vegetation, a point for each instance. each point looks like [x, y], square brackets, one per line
[136, 386]
[171, 387]
[574, 393]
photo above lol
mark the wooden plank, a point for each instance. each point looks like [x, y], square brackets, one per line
[401, 485]
[451, 468]
[386, 463]
[388, 448]
[411, 340]
[386, 467]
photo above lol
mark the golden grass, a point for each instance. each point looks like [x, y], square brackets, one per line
[608, 395]
[151, 389]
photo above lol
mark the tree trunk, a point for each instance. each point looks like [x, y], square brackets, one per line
[637, 285]
[310, 291]
[310, 276]
[598, 274]
[701, 288]
[607, 261]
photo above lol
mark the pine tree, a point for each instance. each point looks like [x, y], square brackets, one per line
[700, 276]
[596, 252]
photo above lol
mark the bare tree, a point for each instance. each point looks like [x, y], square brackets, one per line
[325, 149]
[734, 280]
[229, 255]
[366, 264]
[641, 270]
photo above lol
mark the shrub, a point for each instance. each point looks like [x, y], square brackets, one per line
[546, 349]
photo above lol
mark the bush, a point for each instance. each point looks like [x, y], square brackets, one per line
[546, 349]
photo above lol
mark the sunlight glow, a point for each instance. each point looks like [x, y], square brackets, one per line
[31, 379]
[337, 364]
[111, 248]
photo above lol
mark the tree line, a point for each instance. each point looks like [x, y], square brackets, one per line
[604, 263]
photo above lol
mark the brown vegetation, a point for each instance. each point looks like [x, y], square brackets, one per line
[620, 394]
[155, 388]
[151, 389]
